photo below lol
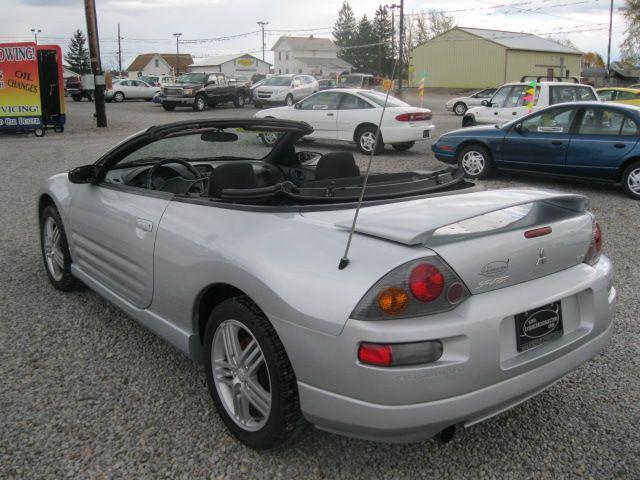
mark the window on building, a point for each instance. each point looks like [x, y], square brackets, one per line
[287, 55]
[299, 70]
[157, 63]
[279, 55]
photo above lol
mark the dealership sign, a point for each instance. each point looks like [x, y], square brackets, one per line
[19, 86]
[246, 62]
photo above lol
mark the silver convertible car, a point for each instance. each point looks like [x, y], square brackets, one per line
[455, 303]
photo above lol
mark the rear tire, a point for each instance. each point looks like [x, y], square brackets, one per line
[401, 147]
[169, 108]
[630, 180]
[39, 132]
[118, 97]
[254, 387]
[77, 98]
[365, 140]
[460, 109]
[475, 161]
[55, 251]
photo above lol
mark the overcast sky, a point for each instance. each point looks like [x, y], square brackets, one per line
[147, 25]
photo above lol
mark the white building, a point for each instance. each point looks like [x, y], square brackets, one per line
[233, 66]
[158, 64]
[309, 56]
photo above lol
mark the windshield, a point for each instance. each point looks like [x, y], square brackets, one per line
[354, 80]
[191, 78]
[148, 79]
[278, 82]
[379, 98]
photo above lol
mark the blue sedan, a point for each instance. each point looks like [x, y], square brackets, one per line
[589, 140]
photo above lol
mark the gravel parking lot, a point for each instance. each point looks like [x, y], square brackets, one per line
[88, 393]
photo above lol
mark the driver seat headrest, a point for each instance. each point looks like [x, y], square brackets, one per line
[236, 175]
[336, 165]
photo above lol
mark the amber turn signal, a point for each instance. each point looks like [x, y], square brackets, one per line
[393, 300]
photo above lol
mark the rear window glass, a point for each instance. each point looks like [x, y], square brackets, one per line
[570, 93]
[379, 98]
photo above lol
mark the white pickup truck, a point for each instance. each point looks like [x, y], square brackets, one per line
[508, 103]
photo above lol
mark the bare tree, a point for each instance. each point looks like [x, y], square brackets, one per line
[423, 26]
[630, 47]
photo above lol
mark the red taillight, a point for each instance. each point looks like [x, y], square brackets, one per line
[426, 282]
[375, 354]
[597, 237]
[537, 232]
[414, 117]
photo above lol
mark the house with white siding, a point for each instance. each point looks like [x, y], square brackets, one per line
[308, 56]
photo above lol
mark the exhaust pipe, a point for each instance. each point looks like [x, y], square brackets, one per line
[446, 435]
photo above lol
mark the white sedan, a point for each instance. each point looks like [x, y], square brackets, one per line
[130, 90]
[353, 114]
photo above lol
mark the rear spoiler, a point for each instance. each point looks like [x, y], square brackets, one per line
[414, 222]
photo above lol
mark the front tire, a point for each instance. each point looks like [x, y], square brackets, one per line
[468, 121]
[630, 180]
[460, 109]
[366, 139]
[401, 147]
[239, 101]
[55, 251]
[288, 101]
[250, 377]
[200, 103]
[475, 161]
[118, 97]
[169, 108]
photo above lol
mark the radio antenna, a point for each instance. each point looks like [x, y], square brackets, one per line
[344, 261]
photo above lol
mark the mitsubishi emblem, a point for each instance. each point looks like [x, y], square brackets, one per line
[541, 257]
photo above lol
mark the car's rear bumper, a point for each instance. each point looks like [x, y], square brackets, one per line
[480, 373]
[409, 132]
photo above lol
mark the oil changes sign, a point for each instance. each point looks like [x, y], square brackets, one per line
[19, 86]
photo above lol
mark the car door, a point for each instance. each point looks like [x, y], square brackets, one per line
[629, 98]
[113, 231]
[490, 113]
[298, 90]
[477, 98]
[125, 87]
[515, 106]
[352, 111]
[603, 139]
[320, 111]
[135, 89]
[540, 141]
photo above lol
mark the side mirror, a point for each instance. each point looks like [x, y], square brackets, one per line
[84, 174]
[297, 106]
[485, 103]
[518, 127]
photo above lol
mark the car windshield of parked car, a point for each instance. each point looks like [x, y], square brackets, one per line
[351, 81]
[191, 78]
[380, 98]
[571, 93]
[204, 145]
[278, 82]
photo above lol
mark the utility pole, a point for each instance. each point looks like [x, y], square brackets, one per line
[393, 7]
[401, 47]
[609, 47]
[177, 35]
[96, 66]
[119, 53]
[35, 34]
[262, 24]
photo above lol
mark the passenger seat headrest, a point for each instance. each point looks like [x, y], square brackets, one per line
[238, 175]
[337, 165]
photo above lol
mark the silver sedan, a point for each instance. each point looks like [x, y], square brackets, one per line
[453, 305]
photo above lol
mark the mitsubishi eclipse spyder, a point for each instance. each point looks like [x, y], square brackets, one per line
[455, 303]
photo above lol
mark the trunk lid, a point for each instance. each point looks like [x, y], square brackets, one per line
[481, 235]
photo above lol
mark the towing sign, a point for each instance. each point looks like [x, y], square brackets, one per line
[20, 105]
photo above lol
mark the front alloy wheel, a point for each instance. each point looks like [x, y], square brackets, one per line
[366, 141]
[460, 109]
[55, 251]
[475, 161]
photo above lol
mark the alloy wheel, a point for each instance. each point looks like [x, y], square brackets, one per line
[473, 163]
[52, 243]
[460, 109]
[633, 181]
[241, 375]
[368, 141]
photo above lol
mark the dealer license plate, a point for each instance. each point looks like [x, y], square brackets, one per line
[425, 134]
[538, 326]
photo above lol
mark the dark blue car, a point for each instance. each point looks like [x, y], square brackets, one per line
[592, 140]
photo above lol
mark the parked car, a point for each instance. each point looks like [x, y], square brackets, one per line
[456, 305]
[352, 115]
[628, 96]
[460, 105]
[327, 83]
[158, 80]
[585, 139]
[286, 89]
[254, 87]
[73, 87]
[130, 90]
[356, 80]
[509, 103]
[200, 90]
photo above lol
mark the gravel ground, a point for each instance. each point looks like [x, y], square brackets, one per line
[88, 393]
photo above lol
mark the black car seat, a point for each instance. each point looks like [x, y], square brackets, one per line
[336, 165]
[236, 175]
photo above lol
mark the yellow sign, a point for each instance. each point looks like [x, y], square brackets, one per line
[246, 62]
[387, 84]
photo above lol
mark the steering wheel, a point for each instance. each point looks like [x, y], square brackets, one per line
[188, 183]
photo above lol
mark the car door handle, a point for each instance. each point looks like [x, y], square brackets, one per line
[145, 225]
[619, 145]
[514, 113]
[495, 113]
[556, 142]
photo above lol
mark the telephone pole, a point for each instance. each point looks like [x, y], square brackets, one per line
[96, 66]
[609, 47]
[393, 7]
[401, 47]
[177, 35]
[262, 24]
[119, 53]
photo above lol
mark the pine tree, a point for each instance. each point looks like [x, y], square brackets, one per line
[382, 31]
[78, 54]
[630, 47]
[365, 57]
[345, 32]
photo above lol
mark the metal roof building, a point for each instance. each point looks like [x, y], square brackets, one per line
[475, 57]
[242, 65]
